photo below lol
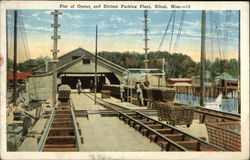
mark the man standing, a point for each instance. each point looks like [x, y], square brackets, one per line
[79, 86]
[139, 94]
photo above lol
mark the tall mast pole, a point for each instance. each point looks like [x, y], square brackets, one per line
[54, 61]
[163, 70]
[203, 57]
[15, 59]
[239, 98]
[96, 61]
[146, 41]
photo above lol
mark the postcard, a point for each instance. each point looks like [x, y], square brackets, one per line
[124, 80]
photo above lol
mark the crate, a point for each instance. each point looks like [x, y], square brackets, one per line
[168, 95]
[63, 95]
[225, 135]
[174, 114]
[105, 93]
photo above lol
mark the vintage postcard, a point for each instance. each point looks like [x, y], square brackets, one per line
[124, 80]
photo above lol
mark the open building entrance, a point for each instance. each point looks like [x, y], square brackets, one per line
[88, 80]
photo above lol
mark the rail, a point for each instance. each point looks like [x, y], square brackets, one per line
[46, 130]
[216, 147]
[149, 130]
[78, 140]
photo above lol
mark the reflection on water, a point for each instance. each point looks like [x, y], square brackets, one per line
[228, 105]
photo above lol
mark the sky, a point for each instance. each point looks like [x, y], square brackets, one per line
[122, 30]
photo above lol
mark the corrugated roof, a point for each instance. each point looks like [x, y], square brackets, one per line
[19, 76]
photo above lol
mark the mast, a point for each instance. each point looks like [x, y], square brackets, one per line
[146, 41]
[203, 57]
[96, 62]
[15, 59]
[54, 61]
[239, 98]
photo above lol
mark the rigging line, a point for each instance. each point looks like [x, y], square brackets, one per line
[11, 40]
[212, 34]
[23, 35]
[217, 34]
[179, 31]
[26, 40]
[172, 33]
[177, 41]
[163, 38]
[172, 60]
[24, 46]
[226, 31]
[26, 50]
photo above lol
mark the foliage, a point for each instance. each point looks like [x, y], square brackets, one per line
[27, 65]
[177, 64]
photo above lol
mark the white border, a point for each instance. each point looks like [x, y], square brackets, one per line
[244, 154]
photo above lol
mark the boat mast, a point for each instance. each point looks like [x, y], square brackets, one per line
[239, 98]
[203, 57]
[15, 59]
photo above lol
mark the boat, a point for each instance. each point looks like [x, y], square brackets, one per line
[216, 105]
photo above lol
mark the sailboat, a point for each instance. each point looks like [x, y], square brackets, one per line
[216, 105]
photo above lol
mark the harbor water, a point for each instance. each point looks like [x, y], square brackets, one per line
[229, 104]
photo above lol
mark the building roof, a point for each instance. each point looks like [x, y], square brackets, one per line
[19, 76]
[224, 75]
[179, 80]
[65, 62]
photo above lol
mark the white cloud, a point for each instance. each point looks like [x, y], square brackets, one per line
[118, 19]
[74, 16]
[30, 27]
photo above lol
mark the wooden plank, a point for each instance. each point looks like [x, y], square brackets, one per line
[154, 126]
[189, 145]
[61, 140]
[164, 130]
[60, 150]
[60, 146]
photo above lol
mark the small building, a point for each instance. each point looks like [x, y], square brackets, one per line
[20, 76]
[230, 83]
[179, 81]
[154, 80]
[77, 64]
[223, 75]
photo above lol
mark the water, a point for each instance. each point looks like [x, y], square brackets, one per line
[228, 105]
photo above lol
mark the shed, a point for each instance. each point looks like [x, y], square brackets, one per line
[77, 64]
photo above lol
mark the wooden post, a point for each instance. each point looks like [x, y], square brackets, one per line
[55, 37]
[146, 42]
[15, 59]
[26, 123]
[203, 57]
[96, 62]
[239, 95]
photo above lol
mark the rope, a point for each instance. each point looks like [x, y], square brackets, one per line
[179, 31]
[163, 38]
[172, 32]
[23, 34]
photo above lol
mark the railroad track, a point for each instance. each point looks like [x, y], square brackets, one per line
[216, 116]
[61, 133]
[164, 135]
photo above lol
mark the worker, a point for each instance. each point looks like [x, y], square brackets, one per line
[122, 92]
[139, 93]
[79, 86]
